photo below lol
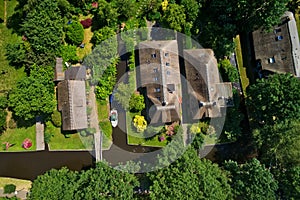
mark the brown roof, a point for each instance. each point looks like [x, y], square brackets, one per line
[76, 73]
[285, 52]
[72, 104]
[160, 75]
[207, 95]
[59, 73]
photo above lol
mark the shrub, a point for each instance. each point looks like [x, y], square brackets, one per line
[3, 115]
[74, 33]
[27, 143]
[86, 23]
[9, 188]
[3, 102]
[49, 132]
[139, 123]
[83, 133]
[136, 103]
[56, 118]
[68, 53]
[91, 130]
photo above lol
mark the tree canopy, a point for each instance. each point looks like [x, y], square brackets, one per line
[43, 28]
[274, 99]
[279, 144]
[190, 178]
[34, 95]
[251, 180]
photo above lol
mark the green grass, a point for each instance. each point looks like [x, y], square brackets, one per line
[135, 138]
[104, 123]
[19, 183]
[242, 68]
[72, 142]
[17, 136]
[82, 52]
[2, 9]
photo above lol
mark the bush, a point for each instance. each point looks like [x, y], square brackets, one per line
[49, 132]
[3, 102]
[68, 53]
[3, 115]
[56, 118]
[74, 33]
[86, 23]
[9, 188]
[139, 123]
[136, 103]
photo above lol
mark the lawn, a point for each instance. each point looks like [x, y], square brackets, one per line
[19, 183]
[104, 123]
[135, 138]
[71, 142]
[88, 34]
[16, 137]
[242, 68]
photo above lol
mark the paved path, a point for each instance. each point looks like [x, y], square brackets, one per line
[20, 194]
[94, 123]
[39, 131]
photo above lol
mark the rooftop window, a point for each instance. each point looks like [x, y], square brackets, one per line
[153, 55]
[167, 64]
[166, 54]
[155, 70]
[157, 90]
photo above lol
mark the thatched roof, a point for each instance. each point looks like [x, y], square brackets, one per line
[72, 104]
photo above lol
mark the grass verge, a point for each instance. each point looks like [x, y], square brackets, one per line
[16, 137]
[242, 68]
[70, 142]
[104, 123]
[19, 183]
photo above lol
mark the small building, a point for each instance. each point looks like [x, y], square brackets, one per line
[159, 75]
[207, 94]
[278, 50]
[72, 104]
[71, 96]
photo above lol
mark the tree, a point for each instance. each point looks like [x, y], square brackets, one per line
[106, 82]
[56, 118]
[104, 182]
[34, 95]
[251, 180]
[126, 8]
[74, 33]
[16, 54]
[43, 28]
[123, 94]
[103, 34]
[105, 15]
[274, 99]
[248, 15]
[191, 8]
[174, 17]
[189, 178]
[289, 183]
[54, 184]
[136, 103]
[229, 73]
[3, 115]
[279, 144]
[139, 123]
[68, 54]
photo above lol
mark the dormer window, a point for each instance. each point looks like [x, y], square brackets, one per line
[155, 70]
[153, 55]
[167, 64]
[157, 89]
[166, 54]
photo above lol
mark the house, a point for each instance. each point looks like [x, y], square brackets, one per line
[208, 96]
[279, 50]
[71, 95]
[159, 76]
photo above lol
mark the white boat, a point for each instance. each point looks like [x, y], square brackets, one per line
[114, 118]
